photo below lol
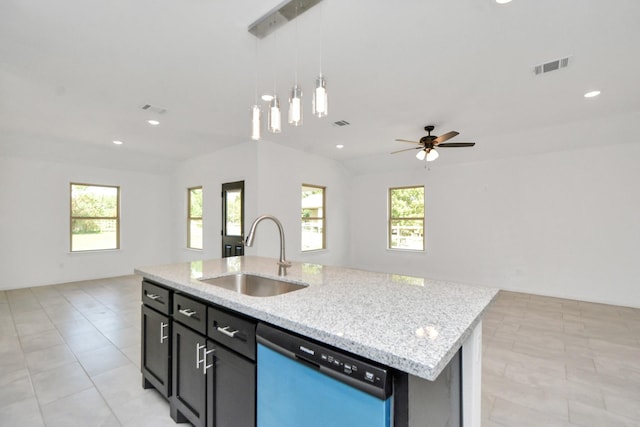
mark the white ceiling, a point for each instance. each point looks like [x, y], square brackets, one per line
[74, 75]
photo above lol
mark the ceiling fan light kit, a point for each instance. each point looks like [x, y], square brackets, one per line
[428, 144]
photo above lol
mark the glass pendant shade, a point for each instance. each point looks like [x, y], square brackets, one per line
[295, 106]
[255, 122]
[432, 155]
[421, 154]
[274, 124]
[320, 100]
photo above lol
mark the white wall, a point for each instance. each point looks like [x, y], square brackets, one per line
[282, 172]
[210, 171]
[34, 223]
[562, 224]
[273, 177]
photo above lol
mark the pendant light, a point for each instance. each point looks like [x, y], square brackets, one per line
[274, 121]
[295, 98]
[274, 124]
[295, 106]
[255, 122]
[320, 100]
[255, 108]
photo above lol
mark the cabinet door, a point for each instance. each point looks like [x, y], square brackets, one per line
[188, 397]
[155, 351]
[231, 390]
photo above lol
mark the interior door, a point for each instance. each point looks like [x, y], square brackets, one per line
[232, 219]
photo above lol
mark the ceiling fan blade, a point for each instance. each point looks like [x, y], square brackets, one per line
[457, 144]
[406, 140]
[406, 149]
[444, 137]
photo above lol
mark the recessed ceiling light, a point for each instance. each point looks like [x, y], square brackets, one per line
[267, 97]
[339, 146]
[592, 94]
[153, 122]
[503, 1]
[117, 142]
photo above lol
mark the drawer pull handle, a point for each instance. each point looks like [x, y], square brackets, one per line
[227, 332]
[162, 335]
[153, 296]
[187, 312]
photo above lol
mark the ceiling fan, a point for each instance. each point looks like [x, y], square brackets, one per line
[428, 144]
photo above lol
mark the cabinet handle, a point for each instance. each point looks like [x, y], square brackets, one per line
[187, 312]
[162, 335]
[227, 332]
[205, 366]
[153, 296]
[198, 360]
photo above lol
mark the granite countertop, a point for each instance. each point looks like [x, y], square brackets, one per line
[412, 324]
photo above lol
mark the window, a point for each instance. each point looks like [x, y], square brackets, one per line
[406, 218]
[313, 218]
[95, 217]
[194, 218]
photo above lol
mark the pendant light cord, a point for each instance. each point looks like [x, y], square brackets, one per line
[256, 68]
[321, 31]
[273, 60]
[296, 50]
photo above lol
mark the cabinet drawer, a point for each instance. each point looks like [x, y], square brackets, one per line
[156, 297]
[190, 312]
[235, 332]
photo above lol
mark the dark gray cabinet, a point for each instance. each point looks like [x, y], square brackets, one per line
[214, 372]
[155, 348]
[190, 365]
[201, 356]
[232, 391]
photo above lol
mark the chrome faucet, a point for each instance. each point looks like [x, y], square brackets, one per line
[282, 262]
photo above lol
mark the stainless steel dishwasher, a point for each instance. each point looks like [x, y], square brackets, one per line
[302, 383]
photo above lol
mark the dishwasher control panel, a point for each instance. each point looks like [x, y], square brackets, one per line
[355, 368]
[362, 374]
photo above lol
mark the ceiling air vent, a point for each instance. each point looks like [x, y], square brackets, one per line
[551, 66]
[154, 109]
[341, 123]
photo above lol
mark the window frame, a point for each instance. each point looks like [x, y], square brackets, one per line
[323, 218]
[72, 218]
[391, 219]
[191, 218]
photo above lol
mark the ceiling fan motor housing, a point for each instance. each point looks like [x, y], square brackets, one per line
[427, 140]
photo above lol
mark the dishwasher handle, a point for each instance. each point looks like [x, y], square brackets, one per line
[307, 362]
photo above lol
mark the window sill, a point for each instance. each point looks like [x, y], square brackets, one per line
[93, 251]
[415, 251]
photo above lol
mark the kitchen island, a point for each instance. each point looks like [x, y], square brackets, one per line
[410, 324]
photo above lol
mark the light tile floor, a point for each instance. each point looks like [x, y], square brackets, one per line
[557, 362]
[70, 356]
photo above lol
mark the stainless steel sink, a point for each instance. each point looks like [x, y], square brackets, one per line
[256, 286]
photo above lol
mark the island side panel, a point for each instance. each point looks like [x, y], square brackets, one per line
[437, 403]
[472, 378]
